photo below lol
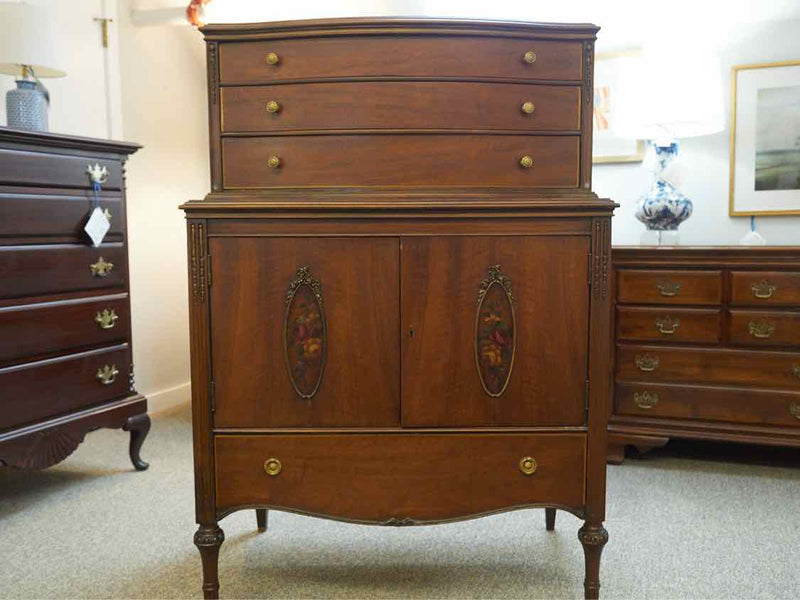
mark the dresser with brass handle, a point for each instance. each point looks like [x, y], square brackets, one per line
[723, 360]
[65, 335]
[423, 331]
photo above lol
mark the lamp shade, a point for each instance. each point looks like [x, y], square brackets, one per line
[670, 92]
[26, 38]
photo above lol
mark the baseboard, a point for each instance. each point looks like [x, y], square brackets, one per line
[168, 398]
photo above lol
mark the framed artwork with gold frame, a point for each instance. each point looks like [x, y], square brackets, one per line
[765, 139]
[607, 147]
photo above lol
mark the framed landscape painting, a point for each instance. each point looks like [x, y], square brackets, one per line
[606, 147]
[765, 140]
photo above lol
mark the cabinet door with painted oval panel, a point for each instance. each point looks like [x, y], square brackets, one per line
[329, 308]
[495, 330]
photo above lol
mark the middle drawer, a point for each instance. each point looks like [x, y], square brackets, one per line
[409, 160]
[401, 105]
[668, 324]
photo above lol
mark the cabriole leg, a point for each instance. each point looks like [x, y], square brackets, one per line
[208, 539]
[550, 518]
[139, 426]
[593, 537]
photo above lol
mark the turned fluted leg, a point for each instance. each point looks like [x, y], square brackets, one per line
[550, 518]
[139, 426]
[208, 539]
[261, 519]
[593, 537]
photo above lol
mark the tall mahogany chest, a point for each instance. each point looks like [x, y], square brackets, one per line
[399, 283]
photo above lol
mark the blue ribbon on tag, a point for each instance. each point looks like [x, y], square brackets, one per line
[96, 191]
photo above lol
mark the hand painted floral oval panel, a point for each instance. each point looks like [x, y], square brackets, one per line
[305, 334]
[494, 332]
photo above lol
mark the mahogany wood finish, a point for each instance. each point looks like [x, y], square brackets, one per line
[735, 374]
[396, 321]
[54, 337]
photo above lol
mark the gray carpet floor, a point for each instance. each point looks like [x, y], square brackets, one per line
[680, 527]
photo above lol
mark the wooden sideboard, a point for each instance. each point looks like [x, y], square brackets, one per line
[65, 341]
[707, 346]
[400, 297]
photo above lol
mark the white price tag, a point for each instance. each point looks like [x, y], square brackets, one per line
[97, 227]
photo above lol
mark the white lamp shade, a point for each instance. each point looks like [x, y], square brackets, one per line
[670, 93]
[27, 35]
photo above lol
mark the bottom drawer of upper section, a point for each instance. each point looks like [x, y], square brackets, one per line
[47, 388]
[399, 478]
[732, 404]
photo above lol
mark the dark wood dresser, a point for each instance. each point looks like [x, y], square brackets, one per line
[400, 297]
[65, 343]
[707, 346]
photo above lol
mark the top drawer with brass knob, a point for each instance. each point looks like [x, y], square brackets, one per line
[762, 288]
[401, 105]
[441, 56]
[650, 286]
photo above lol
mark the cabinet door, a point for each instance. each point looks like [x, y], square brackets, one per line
[304, 332]
[495, 330]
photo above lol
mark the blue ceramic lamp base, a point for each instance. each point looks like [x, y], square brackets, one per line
[26, 106]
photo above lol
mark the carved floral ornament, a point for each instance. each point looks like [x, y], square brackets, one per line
[305, 333]
[495, 340]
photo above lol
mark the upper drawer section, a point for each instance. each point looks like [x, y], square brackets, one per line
[23, 167]
[412, 56]
[668, 287]
[401, 105]
[408, 160]
[773, 288]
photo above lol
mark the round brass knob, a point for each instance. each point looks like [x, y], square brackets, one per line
[527, 465]
[272, 466]
[528, 108]
[526, 162]
[272, 58]
[274, 162]
[530, 57]
[273, 106]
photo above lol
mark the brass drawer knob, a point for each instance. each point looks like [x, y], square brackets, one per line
[97, 173]
[274, 162]
[763, 290]
[272, 58]
[272, 466]
[647, 362]
[667, 325]
[526, 162]
[101, 268]
[528, 108]
[529, 57]
[527, 465]
[761, 329]
[645, 400]
[107, 375]
[668, 289]
[273, 106]
[106, 319]
[794, 410]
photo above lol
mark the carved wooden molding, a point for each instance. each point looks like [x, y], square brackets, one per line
[209, 536]
[46, 448]
[601, 259]
[597, 536]
[399, 522]
[495, 335]
[198, 258]
[305, 331]
[213, 72]
[588, 61]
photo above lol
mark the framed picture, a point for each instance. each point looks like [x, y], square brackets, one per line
[765, 140]
[606, 147]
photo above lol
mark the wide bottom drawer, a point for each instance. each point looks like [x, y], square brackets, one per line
[399, 478]
[732, 404]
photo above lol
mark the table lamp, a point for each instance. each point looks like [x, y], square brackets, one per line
[27, 52]
[666, 95]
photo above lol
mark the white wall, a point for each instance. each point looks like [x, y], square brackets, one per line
[707, 158]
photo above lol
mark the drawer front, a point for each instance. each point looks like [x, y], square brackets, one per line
[764, 328]
[38, 329]
[23, 167]
[408, 160]
[737, 405]
[668, 325]
[396, 477]
[440, 57]
[700, 365]
[56, 214]
[401, 105]
[36, 391]
[34, 270]
[764, 288]
[636, 286]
